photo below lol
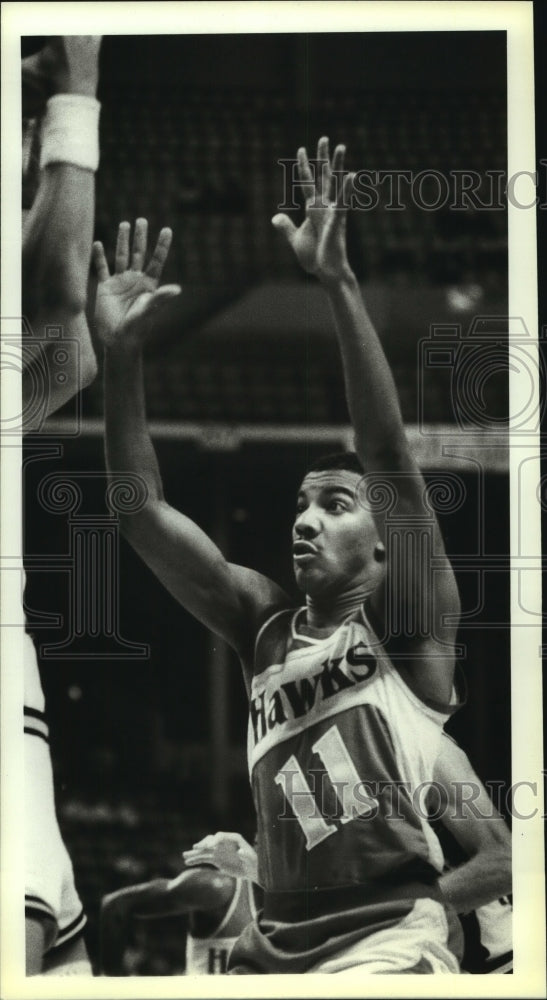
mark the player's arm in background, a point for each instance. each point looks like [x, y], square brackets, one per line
[58, 230]
[479, 829]
[196, 890]
[228, 599]
[380, 439]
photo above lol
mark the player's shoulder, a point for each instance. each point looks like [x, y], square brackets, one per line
[273, 636]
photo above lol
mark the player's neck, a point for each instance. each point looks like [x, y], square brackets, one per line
[324, 612]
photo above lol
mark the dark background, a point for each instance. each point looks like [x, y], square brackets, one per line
[191, 132]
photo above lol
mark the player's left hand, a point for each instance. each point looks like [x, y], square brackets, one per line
[320, 242]
[127, 300]
[229, 852]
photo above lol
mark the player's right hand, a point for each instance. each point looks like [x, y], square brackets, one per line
[229, 852]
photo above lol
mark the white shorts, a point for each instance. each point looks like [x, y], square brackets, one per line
[417, 944]
[49, 877]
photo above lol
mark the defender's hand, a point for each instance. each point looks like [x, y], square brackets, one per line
[127, 300]
[320, 242]
[229, 852]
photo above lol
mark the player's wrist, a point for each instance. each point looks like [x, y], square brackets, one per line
[340, 278]
[120, 347]
[78, 83]
[70, 131]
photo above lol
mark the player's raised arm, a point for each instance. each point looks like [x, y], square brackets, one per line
[58, 230]
[414, 594]
[471, 818]
[228, 599]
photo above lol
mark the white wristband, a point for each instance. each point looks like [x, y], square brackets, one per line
[70, 131]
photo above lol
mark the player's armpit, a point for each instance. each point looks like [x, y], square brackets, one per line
[426, 662]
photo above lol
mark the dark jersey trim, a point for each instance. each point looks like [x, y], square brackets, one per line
[34, 906]
[36, 732]
[71, 932]
[35, 713]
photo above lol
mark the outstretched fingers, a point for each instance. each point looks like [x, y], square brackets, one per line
[99, 261]
[337, 172]
[140, 239]
[306, 176]
[166, 292]
[285, 226]
[157, 261]
[324, 171]
[345, 192]
[122, 248]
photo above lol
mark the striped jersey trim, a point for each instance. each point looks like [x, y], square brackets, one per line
[72, 930]
[36, 732]
[33, 904]
[35, 723]
[35, 713]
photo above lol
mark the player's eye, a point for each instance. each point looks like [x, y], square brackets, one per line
[337, 506]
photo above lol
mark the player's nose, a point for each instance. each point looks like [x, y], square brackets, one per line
[307, 524]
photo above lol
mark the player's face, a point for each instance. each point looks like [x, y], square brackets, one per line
[333, 534]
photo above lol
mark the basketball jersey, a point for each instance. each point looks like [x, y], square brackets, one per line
[33, 694]
[341, 753]
[49, 876]
[208, 956]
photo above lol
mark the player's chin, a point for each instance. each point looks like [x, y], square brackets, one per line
[309, 579]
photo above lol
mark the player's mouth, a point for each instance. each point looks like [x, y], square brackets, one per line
[303, 552]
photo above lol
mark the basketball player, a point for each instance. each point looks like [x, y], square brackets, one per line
[58, 228]
[476, 842]
[348, 692]
[57, 238]
[218, 907]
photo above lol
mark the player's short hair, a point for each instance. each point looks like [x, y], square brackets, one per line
[338, 460]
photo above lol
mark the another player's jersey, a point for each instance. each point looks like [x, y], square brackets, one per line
[34, 696]
[341, 753]
[208, 956]
[488, 934]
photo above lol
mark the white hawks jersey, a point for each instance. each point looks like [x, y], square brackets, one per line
[341, 753]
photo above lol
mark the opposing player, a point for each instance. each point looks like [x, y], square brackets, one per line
[347, 694]
[57, 238]
[58, 228]
[218, 906]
